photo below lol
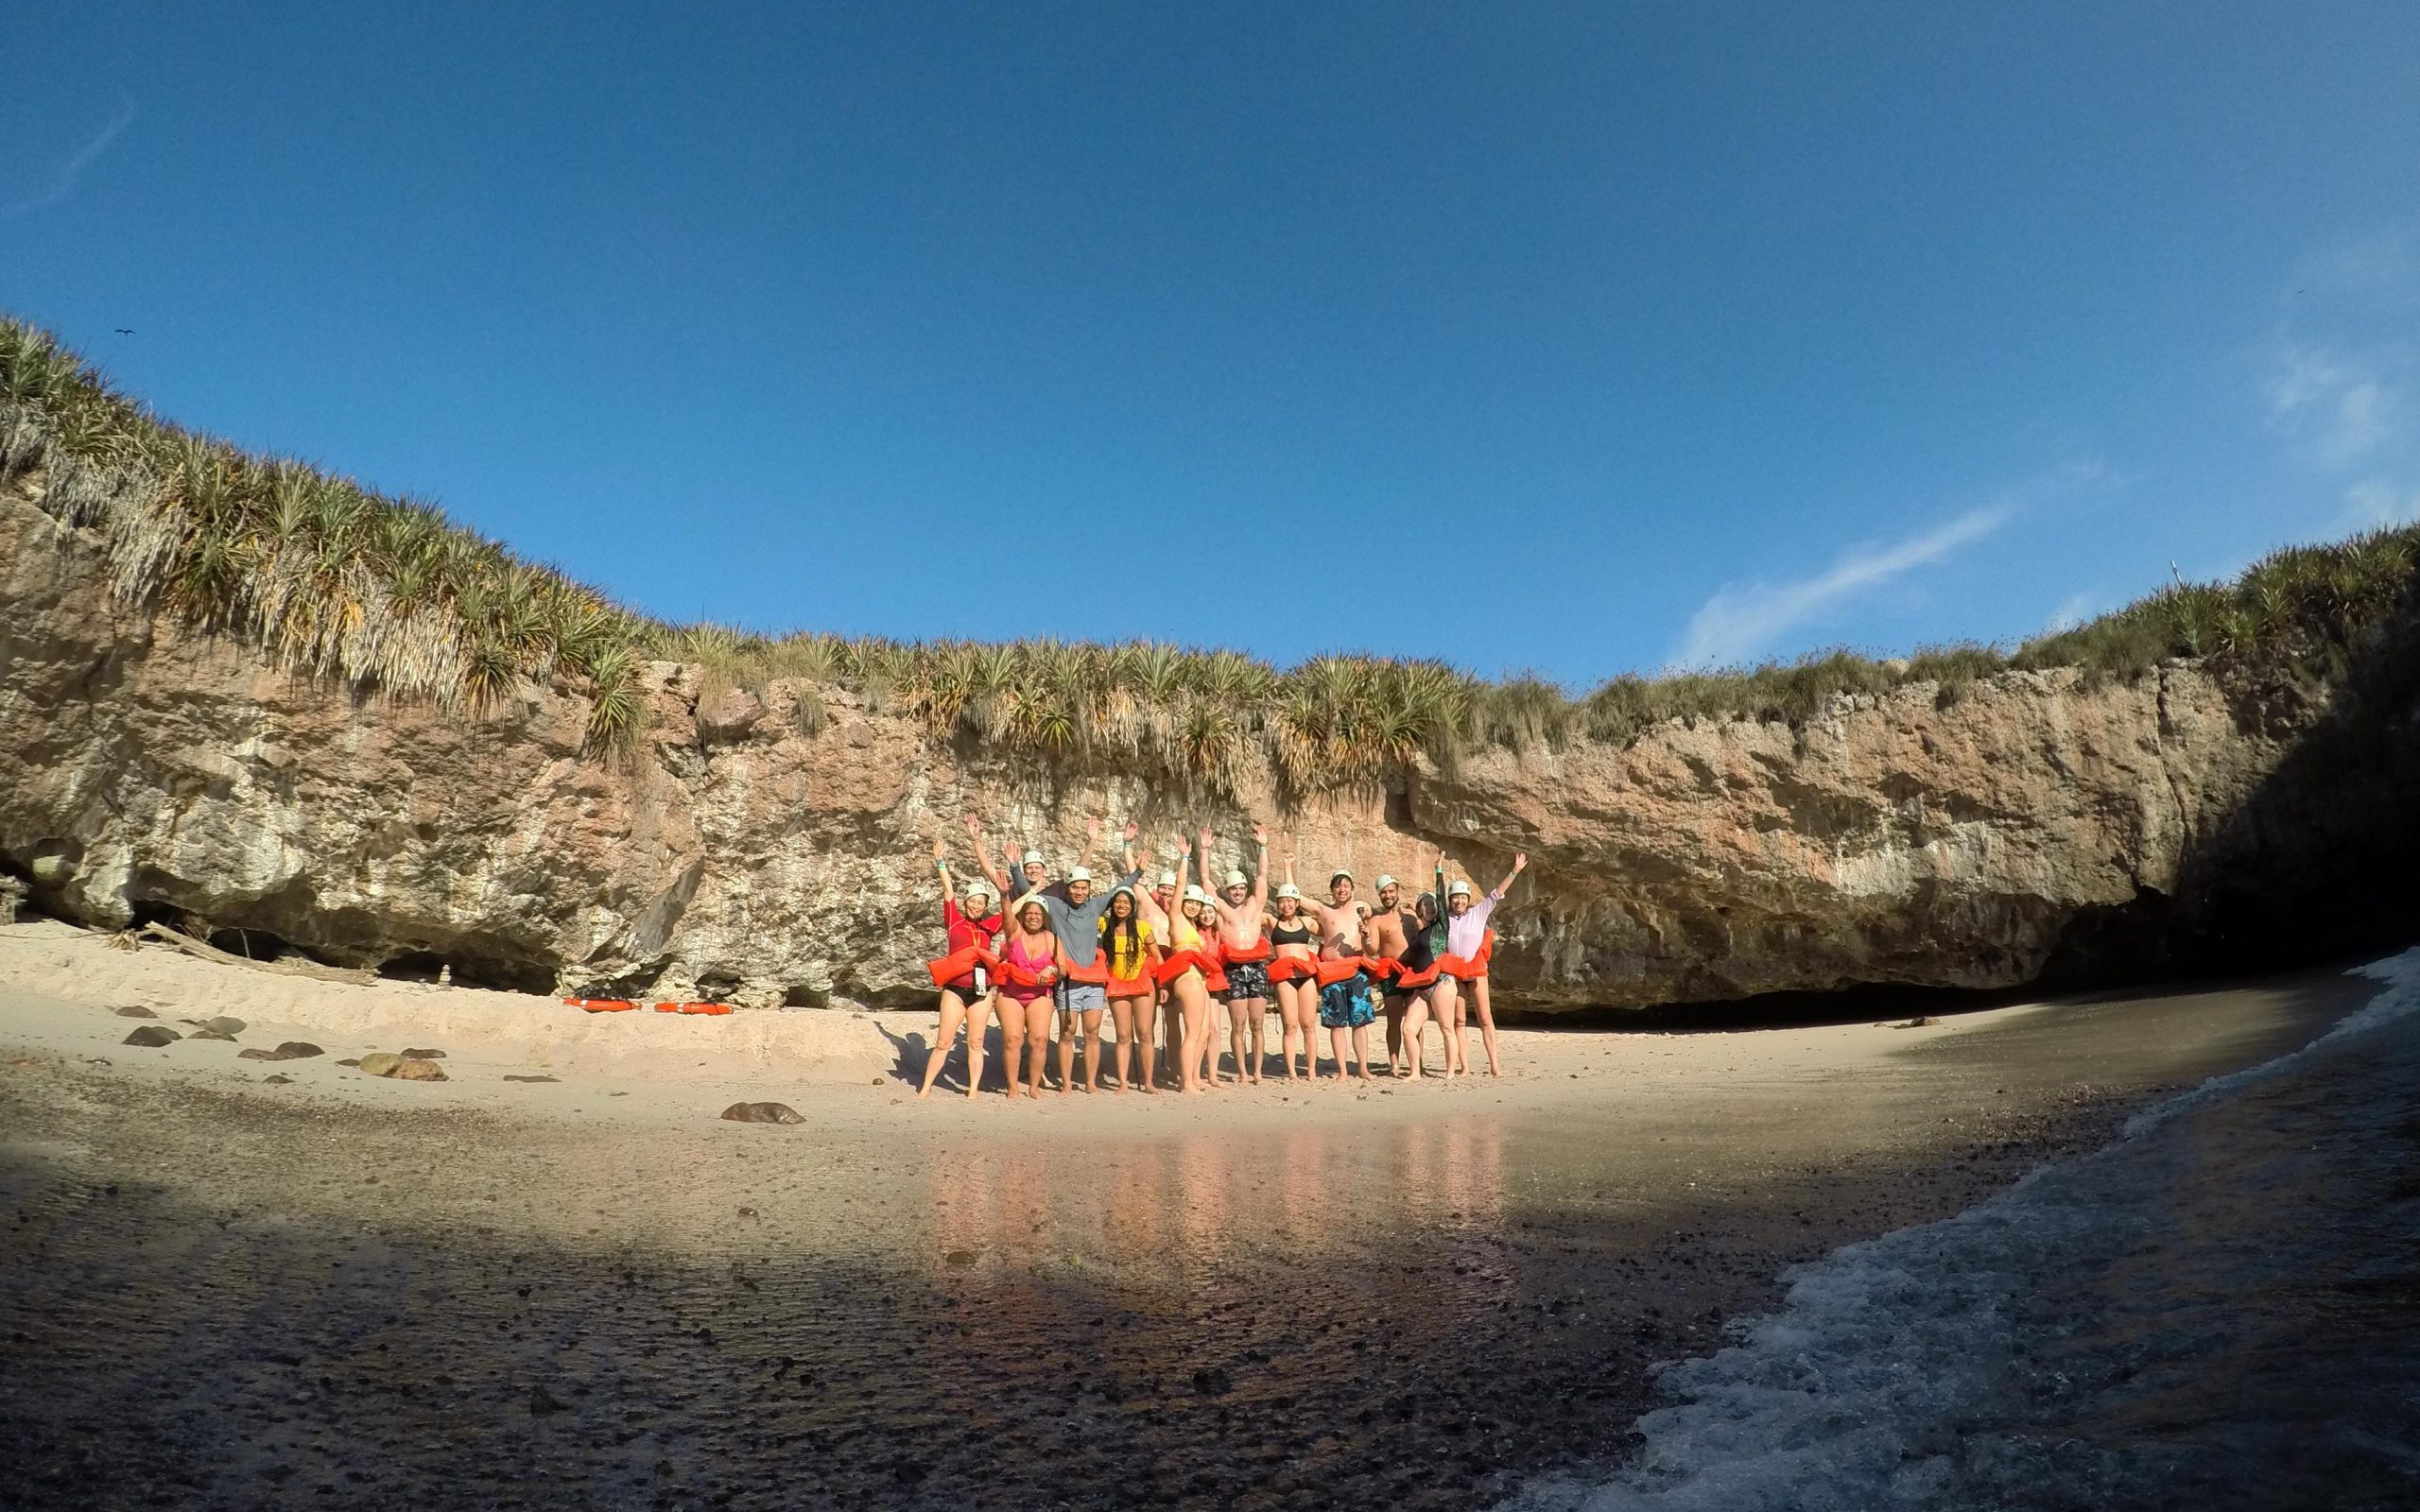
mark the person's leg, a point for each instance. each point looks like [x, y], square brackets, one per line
[1361, 1049]
[1257, 1038]
[1122, 1011]
[1443, 1003]
[1306, 1024]
[1486, 1025]
[1066, 1017]
[952, 1014]
[1336, 1033]
[1415, 1020]
[1092, 1050]
[1146, 1023]
[978, 1023]
[1011, 1014]
[1238, 1034]
[1037, 1042]
[1395, 1002]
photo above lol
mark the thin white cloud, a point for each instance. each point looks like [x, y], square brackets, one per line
[1742, 622]
[62, 182]
[2073, 611]
[2373, 504]
[2339, 409]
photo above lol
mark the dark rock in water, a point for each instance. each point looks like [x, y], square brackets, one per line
[298, 1050]
[135, 1011]
[423, 1054]
[152, 1036]
[222, 1024]
[211, 1034]
[277, 1078]
[762, 1113]
[528, 1079]
[418, 1070]
[1213, 1382]
[542, 1402]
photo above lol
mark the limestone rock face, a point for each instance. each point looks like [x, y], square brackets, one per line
[2034, 824]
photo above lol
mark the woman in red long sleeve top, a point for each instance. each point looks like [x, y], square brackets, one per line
[965, 976]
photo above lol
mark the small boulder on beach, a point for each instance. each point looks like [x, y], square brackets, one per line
[223, 1024]
[380, 1063]
[762, 1113]
[423, 1054]
[207, 1033]
[419, 1071]
[298, 1050]
[133, 1010]
[152, 1036]
[510, 1076]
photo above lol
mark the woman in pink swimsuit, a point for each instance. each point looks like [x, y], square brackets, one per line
[1028, 965]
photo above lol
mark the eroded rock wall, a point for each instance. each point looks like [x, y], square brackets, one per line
[149, 768]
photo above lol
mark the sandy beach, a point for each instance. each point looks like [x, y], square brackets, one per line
[227, 1290]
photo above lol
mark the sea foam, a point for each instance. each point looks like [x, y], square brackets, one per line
[2167, 1316]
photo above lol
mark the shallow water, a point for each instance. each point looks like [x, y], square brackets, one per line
[2221, 1309]
[286, 1304]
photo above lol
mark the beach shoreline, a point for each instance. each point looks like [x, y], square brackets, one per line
[1276, 1297]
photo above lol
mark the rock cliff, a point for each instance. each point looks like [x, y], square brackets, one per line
[2033, 825]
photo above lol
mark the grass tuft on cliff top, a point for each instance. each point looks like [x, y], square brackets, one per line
[329, 579]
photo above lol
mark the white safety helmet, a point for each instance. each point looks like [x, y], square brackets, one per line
[1236, 879]
[1289, 890]
[1168, 879]
[1386, 879]
[1034, 858]
[1081, 874]
[1461, 888]
[1195, 895]
[978, 889]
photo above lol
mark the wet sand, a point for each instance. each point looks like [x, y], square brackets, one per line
[220, 1292]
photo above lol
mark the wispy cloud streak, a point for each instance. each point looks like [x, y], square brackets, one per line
[63, 180]
[1745, 621]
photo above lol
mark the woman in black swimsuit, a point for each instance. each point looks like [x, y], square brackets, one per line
[1295, 939]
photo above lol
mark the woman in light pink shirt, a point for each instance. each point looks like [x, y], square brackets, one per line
[1463, 969]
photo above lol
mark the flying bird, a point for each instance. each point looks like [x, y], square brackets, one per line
[124, 332]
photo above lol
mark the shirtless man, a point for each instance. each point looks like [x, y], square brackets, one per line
[1240, 909]
[1345, 999]
[1387, 924]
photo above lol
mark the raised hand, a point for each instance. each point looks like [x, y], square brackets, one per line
[940, 850]
[975, 828]
[1092, 828]
[1260, 835]
[1184, 847]
[1133, 832]
[1521, 861]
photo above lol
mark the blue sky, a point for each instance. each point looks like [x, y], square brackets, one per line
[1576, 339]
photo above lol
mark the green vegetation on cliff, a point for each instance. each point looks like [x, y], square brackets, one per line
[329, 579]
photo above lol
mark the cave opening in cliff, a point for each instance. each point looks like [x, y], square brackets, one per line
[470, 968]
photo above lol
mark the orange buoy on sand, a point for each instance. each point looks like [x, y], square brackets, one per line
[693, 1008]
[602, 1004]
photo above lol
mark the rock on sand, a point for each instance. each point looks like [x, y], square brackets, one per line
[762, 1113]
[152, 1036]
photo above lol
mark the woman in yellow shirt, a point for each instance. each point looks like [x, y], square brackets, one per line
[1128, 946]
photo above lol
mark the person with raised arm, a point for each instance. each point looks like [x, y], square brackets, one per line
[1186, 973]
[1468, 944]
[1029, 969]
[1156, 906]
[1130, 948]
[1425, 942]
[964, 977]
[1293, 976]
[1082, 994]
[1388, 922]
[1244, 952]
[1346, 982]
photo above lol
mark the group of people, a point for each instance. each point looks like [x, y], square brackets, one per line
[1155, 966]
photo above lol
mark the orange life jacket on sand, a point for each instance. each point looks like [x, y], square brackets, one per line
[602, 1004]
[711, 1009]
